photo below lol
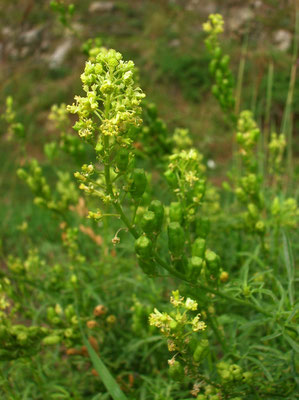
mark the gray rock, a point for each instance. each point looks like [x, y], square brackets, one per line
[101, 6]
[31, 37]
[174, 43]
[60, 54]
[282, 39]
[238, 17]
[257, 3]
[206, 7]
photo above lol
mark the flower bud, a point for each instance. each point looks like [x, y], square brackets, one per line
[91, 324]
[224, 276]
[99, 310]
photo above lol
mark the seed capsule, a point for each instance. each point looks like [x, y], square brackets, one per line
[176, 371]
[122, 159]
[149, 267]
[171, 178]
[139, 183]
[224, 62]
[144, 247]
[149, 222]
[202, 227]
[176, 212]
[199, 247]
[195, 265]
[51, 340]
[213, 261]
[157, 207]
[201, 350]
[176, 238]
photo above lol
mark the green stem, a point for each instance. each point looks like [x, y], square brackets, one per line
[163, 263]
[156, 256]
[110, 191]
[159, 260]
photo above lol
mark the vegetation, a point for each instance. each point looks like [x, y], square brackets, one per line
[127, 270]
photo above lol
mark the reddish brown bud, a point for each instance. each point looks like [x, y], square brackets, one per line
[91, 324]
[99, 310]
[94, 343]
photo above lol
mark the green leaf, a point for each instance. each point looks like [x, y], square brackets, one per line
[273, 336]
[291, 342]
[289, 263]
[262, 366]
[107, 379]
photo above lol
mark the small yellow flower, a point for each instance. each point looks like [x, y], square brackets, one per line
[198, 325]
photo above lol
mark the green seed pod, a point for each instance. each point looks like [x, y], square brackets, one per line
[144, 247]
[195, 265]
[202, 227]
[217, 52]
[171, 178]
[201, 397]
[157, 207]
[199, 247]
[222, 365]
[176, 239]
[18, 129]
[213, 261]
[236, 371]
[149, 222]
[224, 62]
[176, 212]
[247, 377]
[241, 195]
[213, 65]
[139, 183]
[176, 371]
[201, 350]
[218, 77]
[253, 210]
[22, 337]
[22, 173]
[225, 375]
[260, 227]
[122, 159]
[149, 267]
[51, 340]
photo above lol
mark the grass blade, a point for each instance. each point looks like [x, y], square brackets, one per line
[107, 379]
[289, 263]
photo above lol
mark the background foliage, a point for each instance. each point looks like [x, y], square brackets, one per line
[75, 280]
